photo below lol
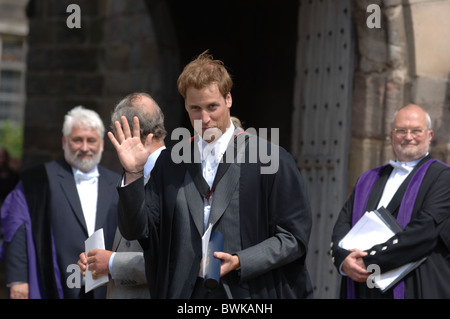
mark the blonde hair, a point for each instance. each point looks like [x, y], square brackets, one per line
[202, 72]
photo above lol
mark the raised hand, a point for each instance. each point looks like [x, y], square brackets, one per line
[132, 153]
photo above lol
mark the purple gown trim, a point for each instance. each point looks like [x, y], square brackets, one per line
[362, 191]
[15, 213]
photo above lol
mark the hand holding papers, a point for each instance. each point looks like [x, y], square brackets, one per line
[374, 228]
[96, 241]
[369, 231]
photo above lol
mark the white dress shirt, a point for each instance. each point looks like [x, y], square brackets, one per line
[151, 161]
[211, 155]
[87, 186]
[398, 175]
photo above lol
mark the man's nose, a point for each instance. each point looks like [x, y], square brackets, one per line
[85, 146]
[409, 135]
[205, 117]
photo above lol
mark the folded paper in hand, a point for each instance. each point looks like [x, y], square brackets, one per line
[96, 241]
[374, 228]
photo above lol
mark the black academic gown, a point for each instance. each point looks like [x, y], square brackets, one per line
[266, 201]
[58, 226]
[427, 234]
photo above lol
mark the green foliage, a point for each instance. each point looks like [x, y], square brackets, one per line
[11, 138]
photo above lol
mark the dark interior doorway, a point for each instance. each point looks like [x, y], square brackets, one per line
[257, 41]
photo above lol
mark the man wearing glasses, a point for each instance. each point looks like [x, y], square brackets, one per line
[416, 189]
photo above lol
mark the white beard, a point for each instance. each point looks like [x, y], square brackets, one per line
[84, 165]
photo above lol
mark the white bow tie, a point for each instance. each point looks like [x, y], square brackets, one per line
[80, 176]
[401, 166]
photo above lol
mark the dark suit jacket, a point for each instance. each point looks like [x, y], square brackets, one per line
[427, 234]
[266, 215]
[54, 206]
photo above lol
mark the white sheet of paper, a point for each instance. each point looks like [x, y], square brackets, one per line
[205, 243]
[96, 241]
[386, 278]
[367, 232]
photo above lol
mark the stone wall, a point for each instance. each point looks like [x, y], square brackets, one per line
[405, 61]
[430, 67]
[116, 51]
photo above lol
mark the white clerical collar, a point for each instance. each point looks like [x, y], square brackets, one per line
[217, 147]
[406, 166]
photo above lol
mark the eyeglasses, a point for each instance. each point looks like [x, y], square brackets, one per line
[402, 132]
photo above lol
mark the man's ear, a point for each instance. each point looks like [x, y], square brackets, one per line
[148, 142]
[430, 136]
[228, 100]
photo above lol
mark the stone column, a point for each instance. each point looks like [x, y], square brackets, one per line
[63, 71]
[430, 67]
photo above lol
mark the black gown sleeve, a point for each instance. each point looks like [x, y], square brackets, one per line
[16, 258]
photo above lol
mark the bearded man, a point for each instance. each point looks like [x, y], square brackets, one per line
[55, 207]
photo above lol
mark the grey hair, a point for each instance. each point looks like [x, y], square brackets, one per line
[80, 116]
[427, 117]
[150, 123]
[428, 120]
